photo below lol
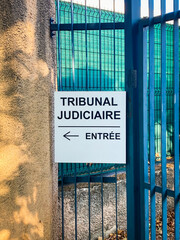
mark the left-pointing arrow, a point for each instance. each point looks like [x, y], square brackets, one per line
[67, 135]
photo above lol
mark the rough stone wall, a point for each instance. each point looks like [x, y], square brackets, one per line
[28, 187]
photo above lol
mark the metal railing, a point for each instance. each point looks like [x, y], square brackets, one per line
[145, 49]
[87, 68]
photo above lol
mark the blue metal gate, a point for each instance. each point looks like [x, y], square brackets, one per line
[147, 60]
[140, 88]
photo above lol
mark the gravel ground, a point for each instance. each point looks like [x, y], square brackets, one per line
[170, 229]
[122, 234]
[109, 208]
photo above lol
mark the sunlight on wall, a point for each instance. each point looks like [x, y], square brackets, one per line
[27, 217]
[14, 152]
[11, 157]
[4, 234]
[42, 68]
[21, 69]
[24, 51]
[27, 64]
[22, 32]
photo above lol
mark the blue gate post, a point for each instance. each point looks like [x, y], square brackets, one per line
[143, 130]
[135, 203]
[176, 119]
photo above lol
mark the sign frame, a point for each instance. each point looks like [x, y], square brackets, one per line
[90, 127]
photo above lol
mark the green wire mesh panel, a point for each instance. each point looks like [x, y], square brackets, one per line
[92, 82]
[169, 89]
[87, 74]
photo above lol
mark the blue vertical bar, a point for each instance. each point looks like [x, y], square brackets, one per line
[62, 198]
[134, 220]
[60, 89]
[163, 121]
[101, 89]
[73, 70]
[176, 119]
[114, 45]
[100, 62]
[89, 200]
[116, 202]
[75, 197]
[145, 133]
[72, 41]
[87, 80]
[152, 122]
[102, 209]
[59, 49]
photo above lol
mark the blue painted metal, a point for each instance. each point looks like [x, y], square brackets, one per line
[80, 69]
[87, 86]
[90, 26]
[114, 90]
[83, 169]
[72, 39]
[163, 122]
[138, 185]
[102, 202]
[132, 16]
[158, 189]
[62, 199]
[91, 179]
[152, 122]
[75, 201]
[59, 82]
[59, 87]
[89, 201]
[114, 32]
[87, 78]
[51, 26]
[151, 186]
[116, 202]
[176, 118]
[100, 62]
[144, 134]
[158, 19]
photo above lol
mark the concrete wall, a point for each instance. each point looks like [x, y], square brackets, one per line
[28, 187]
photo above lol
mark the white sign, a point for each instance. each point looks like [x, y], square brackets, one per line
[90, 127]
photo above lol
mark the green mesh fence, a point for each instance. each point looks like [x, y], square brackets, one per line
[169, 89]
[107, 52]
[108, 82]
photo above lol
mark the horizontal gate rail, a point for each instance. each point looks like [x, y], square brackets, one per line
[167, 17]
[90, 26]
[86, 179]
[110, 25]
[158, 189]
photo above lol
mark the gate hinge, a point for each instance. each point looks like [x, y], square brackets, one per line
[133, 78]
[51, 27]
